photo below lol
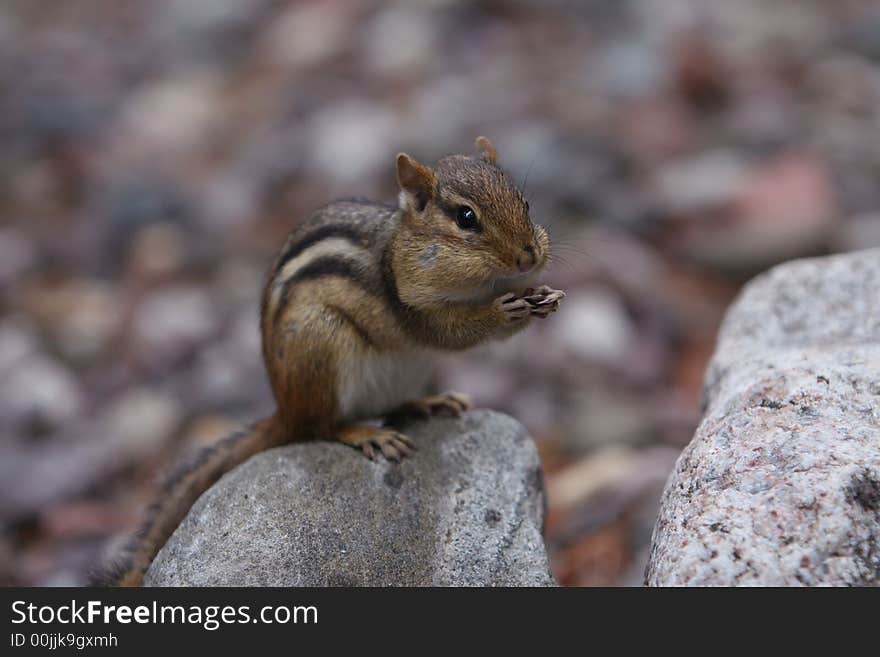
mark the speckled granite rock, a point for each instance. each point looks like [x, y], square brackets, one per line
[781, 483]
[467, 509]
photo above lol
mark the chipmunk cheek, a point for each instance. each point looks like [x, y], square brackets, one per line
[542, 251]
[428, 257]
[542, 238]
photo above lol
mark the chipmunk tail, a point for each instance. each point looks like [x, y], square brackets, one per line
[179, 491]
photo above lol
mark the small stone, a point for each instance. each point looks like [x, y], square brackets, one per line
[83, 315]
[702, 74]
[39, 389]
[577, 483]
[218, 376]
[306, 35]
[171, 116]
[846, 82]
[157, 250]
[350, 142]
[656, 129]
[17, 254]
[602, 419]
[631, 69]
[224, 364]
[706, 181]
[865, 34]
[140, 421]
[127, 202]
[16, 342]
[786, 208]
[171, 320]
[398, 40]
[594, 326]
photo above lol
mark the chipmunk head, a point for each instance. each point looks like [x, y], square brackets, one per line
[466, 228]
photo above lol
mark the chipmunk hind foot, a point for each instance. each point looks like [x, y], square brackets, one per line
[392, 444]
[446, 403]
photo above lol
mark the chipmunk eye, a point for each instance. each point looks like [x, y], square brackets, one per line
[466, 219]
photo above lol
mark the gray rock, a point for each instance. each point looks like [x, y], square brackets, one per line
[781, 483]
[39, 388]
[708, 180]
[466, 509]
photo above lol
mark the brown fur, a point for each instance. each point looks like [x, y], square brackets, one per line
[361, 281]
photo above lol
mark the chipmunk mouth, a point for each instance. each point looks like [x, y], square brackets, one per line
[492, 289]
[516, 282]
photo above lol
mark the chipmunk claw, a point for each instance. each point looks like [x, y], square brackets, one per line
[369, 451]
[513, 308]
[446, 403]
[395, 449]
[543, 301]
[449, 403]
[393, 445]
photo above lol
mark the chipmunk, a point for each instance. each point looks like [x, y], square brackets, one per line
[357, 305]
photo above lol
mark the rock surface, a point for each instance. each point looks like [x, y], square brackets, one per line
[781, 483]
[466, 509]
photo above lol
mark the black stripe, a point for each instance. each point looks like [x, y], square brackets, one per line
[294, 248]
[410, 318]
[352, 322]
[319, 268]
[389, 284]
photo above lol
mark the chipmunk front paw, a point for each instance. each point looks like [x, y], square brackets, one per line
[513, 309]
[543, 300]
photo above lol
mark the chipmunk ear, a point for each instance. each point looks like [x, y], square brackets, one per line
[416, 180]
[487, 150]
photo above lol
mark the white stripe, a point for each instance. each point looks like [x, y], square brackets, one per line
[375, 383]
[330, 246]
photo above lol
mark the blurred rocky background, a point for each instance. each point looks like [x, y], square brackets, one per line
[156, 153]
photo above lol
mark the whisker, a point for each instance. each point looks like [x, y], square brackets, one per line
[571, 248]
[526, 177]
[557, 259]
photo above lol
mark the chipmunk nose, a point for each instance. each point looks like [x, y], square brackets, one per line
[528, 259]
